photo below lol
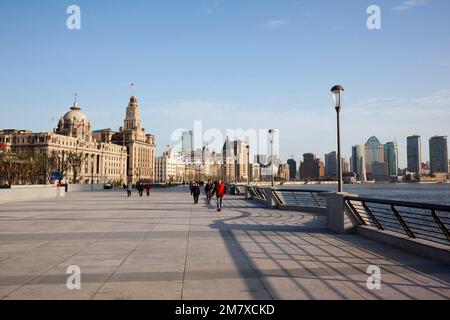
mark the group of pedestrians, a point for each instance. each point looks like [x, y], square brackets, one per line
[217, 188]
[140, 187]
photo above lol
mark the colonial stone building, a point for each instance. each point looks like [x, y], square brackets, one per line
[140, 145]
[103, 161]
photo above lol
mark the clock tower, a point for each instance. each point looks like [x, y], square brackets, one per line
[132, 117]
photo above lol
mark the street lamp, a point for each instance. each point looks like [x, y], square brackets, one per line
[271, 131]
[337, 93]
[248, 164]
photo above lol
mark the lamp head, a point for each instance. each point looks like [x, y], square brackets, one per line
[337, 94]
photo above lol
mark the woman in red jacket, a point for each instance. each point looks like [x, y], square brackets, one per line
[220, 192]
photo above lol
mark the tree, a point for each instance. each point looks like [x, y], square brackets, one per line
[76, 160]
[59, 163]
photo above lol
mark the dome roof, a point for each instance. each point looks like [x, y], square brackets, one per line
[75, 114]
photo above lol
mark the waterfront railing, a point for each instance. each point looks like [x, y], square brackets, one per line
[429, 222]
[416, 220]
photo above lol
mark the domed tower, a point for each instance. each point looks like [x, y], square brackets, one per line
[75, 124]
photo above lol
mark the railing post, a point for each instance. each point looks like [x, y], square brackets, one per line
[339, 218]
[269, 197]
[247, 193]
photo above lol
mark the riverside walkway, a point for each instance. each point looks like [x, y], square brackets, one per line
[164, 247]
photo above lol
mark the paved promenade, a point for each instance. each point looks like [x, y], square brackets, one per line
[164, 247]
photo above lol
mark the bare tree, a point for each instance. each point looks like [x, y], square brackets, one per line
[76, 160]
[59, 163]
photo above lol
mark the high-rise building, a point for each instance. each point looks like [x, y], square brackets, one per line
[255, 172]
[438, 154]
[311, 167]
[331, 165]
[140, 145]
[187, 141]
[345, 165]
[391, 157]
[228, 168]
[292, 169]
[380, 171]
[374, 152]
[358, 152]
[241, 153]
[414, 154]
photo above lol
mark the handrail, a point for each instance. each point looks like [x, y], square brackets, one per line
[417, 205]
[298, 198]
[424, 221]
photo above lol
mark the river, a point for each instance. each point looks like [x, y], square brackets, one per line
[415, 192]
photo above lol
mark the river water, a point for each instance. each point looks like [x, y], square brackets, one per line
[415, 192]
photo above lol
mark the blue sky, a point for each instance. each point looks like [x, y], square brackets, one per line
[232, 64]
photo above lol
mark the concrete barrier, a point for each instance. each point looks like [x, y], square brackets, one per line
[424, 248]
[340, 218]
[24, 193]
[85, 187]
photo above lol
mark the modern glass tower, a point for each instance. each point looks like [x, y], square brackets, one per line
[391, 158]
[414, 154]
[331, 165]
[438, 154]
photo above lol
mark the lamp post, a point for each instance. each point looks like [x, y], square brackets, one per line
[248, 164]
[337, 93]
[271, 131]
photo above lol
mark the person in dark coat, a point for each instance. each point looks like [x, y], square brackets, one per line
[209, 187]
[195, 192]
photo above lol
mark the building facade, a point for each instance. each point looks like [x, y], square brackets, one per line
[140, 145]
[391, 158]
[101, 161]
[311, 167]
[292, 169]
[331, 165]
[438, 154]
[414, 154]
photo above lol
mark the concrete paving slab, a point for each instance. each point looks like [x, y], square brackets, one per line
[164, 247]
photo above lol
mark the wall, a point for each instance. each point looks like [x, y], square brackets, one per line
[24, 193]
[85, 187]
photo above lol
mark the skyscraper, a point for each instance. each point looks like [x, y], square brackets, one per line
[391, 158]
[358, 154]
[414, 154]
[438, 154]
[374, 152]
[292, 169]
[187, 141]
[331, 165]
[311, 167]
[241, 156]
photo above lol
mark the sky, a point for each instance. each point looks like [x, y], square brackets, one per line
[247, 64]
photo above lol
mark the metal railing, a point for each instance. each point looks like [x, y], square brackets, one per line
[291, 197]
[415, 220]
[257, 193]
[300, 198]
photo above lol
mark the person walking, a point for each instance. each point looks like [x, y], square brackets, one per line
[148, 187]
[129, 187]
[209, 187]
[220, 192]
[140, 188]
[195, 192]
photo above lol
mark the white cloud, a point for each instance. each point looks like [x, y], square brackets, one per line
[276, 24]
[409, 4]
